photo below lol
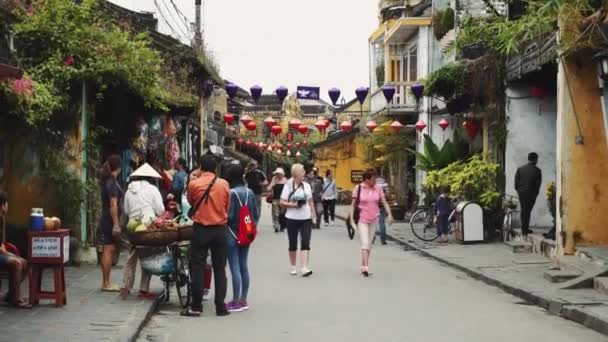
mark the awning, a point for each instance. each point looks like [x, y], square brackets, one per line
[381, 30]
[404, 29]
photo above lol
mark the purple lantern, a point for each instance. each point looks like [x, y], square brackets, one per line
[232, 89]
[362, 94]
[389, 93]
[256, 92]
[282, 93]
[418, 90]
[334, 95]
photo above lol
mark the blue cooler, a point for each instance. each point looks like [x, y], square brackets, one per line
[37, 219]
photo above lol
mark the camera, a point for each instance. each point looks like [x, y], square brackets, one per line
[301, 203]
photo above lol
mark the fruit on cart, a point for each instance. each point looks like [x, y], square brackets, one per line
[133, 225]
[141, 228]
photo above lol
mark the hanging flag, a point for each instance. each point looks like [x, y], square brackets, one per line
[308, 93]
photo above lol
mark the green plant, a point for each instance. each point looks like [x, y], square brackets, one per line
[447, 81]
[443, 22]
[473, 180]
[395, 145]
[380, 75]
[435, 158]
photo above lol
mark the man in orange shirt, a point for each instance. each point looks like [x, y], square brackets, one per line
[209, 196]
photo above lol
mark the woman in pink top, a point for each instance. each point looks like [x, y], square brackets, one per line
[370, 197]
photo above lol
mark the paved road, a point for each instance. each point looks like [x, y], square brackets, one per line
[408, 298]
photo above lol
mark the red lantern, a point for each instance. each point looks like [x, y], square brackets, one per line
[298, 145]
[420, 125]
[471, 127]
[289, 136]
[248, 143]
[263, 146]
[444, 124]
[303, 129]
[289, 145]
[270, 121]
[396, 126]
[346, 126]
[304, 143]
[538, 92]
[246, 119]
[279, 146]
[371, 126]
[251, 126]
[295, 123]
[229, 118]
[240, 141]
[320, 125]
[276, 130]
[326, 123]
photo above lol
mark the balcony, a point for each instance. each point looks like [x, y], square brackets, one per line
[403, 102]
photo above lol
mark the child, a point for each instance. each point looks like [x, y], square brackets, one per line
[443, 209]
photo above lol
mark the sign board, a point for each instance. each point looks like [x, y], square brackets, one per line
[49, 247]
[46, 247]
[356, 176]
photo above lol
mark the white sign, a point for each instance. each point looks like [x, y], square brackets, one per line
[46, 247]
[66, 248]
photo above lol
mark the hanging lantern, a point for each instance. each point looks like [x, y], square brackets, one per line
[256, 93]
[298, 154]
[371, 126]
[228, 118]
[68, 61]
[362, 93]
[245, 119]
[263, 146]
[298, 145]
[279, 152]
[320, 125]
[279, 146]
[346, 126]
[294, 124]
[418, 90]
[305, 143]
[281, 93]
[396, 126]
[289, 145]
[420, 125]
[389, 93]
[303, 129]
[248, 143]
[444, 124]
[326, 123]
[288, 153]
[334, 95]
[240, 141]
[270, 121]
[251, 126]
[471, 127]
[289, 136]
[270, 148]
[538, 92]
[232, 89]
[276, 130]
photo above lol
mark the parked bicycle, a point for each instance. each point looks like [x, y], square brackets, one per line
[423, 223]
[180, 275]
[510, 208]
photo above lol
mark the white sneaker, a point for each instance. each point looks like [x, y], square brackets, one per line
[206, 295]
[293, 272]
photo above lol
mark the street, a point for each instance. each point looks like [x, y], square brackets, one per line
[408, 298]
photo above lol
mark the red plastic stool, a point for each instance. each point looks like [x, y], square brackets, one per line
[36, 292]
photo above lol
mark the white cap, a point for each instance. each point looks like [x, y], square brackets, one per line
[145, 171]
[279, 170]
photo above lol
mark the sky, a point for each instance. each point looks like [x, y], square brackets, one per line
[280, 42]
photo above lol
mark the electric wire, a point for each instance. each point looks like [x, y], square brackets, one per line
[185, 18]
[176, 21]
[162, 15]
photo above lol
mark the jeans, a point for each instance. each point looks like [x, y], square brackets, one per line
[527, 204]
[319, 213]
[205, 238]
[237, 259]
[382, 225]
[304, 229]
[329, 210]
[278, 216]
[443, 225]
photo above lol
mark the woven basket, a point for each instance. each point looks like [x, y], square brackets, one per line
[185, 233]
[160, 237]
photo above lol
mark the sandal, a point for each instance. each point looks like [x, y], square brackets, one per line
[111, 288]
[190, 313]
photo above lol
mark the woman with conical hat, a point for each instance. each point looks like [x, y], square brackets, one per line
[143, 203]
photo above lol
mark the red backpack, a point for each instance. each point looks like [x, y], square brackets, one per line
[247, 230]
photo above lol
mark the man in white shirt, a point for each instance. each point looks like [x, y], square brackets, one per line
[329, 196]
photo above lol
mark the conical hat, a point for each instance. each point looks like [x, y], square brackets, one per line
[145, 171]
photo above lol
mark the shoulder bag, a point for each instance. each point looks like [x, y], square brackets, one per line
[205, 198]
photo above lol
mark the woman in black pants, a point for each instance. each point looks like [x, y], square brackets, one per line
[296, 198]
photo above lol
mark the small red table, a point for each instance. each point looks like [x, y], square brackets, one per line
[48, 250]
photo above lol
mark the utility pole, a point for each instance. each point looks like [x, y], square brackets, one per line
[198, 35]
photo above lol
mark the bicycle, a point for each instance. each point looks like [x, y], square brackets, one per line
[423, 223]
[510, 207]
[180, 276]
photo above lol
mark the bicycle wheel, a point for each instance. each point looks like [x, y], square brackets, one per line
[182, 279]
[422, 225]
[507, 226]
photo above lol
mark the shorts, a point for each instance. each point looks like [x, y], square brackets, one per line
[3, 261]
[106, 236]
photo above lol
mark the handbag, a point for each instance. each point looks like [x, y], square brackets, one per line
[205, 198]
[356, 215]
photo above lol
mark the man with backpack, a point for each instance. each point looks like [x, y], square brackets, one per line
[316, 183]
[209, 196]
[242, 217]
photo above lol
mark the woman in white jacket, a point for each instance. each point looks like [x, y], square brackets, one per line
[143, 202]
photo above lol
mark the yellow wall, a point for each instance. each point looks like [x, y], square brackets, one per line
[583, 169]
[341, 157]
